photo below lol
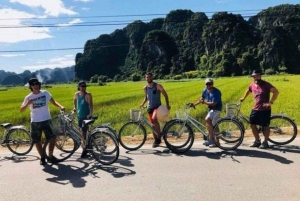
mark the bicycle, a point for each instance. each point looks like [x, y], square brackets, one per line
[17, 139]
[283, 129]
[99, 141]
[179, 135]
[132, 134]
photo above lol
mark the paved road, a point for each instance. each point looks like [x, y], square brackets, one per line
[156, 174]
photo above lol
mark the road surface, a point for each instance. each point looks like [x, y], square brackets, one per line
[156, 174]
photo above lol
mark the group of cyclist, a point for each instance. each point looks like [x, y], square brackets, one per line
[211, 96]
[38, 101]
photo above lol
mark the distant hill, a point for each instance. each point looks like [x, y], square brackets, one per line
[45, 76]
[224, 45]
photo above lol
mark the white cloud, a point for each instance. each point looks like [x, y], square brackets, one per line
[13, 34]
[56, 62]
[11, 55]
[51, 7]
[75, 21]
[85, 8]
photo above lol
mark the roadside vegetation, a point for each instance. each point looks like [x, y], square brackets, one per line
[113, 101]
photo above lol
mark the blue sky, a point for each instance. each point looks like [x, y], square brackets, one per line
[37, 34]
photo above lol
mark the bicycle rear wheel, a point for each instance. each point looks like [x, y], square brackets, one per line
[229, 133]
[19, 141]
[65, 144]
[283, 130]
[178, 136]
[104, 147]
[132, 135]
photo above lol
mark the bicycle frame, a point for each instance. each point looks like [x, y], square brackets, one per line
[193, 121]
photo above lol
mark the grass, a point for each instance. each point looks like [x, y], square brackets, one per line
[113, 101]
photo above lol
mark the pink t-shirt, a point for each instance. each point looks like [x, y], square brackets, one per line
[261, 94]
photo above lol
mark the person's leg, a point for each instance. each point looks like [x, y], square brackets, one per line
[36, 135]
[83, 129]
[50, 136]
[215, 118]
[156, 124]
[255, 132]
[209, 127]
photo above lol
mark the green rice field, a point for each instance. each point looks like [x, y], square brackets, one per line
[113, 101]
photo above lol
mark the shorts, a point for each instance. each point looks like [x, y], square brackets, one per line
[214, 115]
[83, 127]
[36, 129]
[150, 113]
[260, 117]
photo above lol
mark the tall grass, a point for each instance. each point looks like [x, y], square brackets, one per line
[113, 101]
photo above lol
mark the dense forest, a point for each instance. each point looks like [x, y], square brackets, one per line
[186, 41]
[186, 44]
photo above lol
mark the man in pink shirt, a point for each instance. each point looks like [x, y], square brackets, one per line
[261, 111]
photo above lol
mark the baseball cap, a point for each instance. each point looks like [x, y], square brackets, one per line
[208, 80]
[33, 81]
[80, 83]
[256, 72]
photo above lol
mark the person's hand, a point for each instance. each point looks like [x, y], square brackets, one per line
[242, 99]
[30, 102]
[267, 104]
[62, 108]
[89, 116]
[169, 107]
[141, 106]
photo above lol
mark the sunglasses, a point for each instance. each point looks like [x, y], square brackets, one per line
[209, 83]
[82, 85]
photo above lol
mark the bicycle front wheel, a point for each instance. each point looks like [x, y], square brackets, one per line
[132, 135]
[178, 136]
[283, 130]
[229, 134]
[104, 147]
[19, 141]
[65, 147]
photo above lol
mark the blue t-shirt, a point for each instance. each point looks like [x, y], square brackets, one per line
[214, 96]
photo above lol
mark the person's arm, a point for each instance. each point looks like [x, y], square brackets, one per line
[89, 100]
[145, 97]
[245, 95]
[75, 102]
[164, 93]
[25, 105]
[55, 103]
[275, 94]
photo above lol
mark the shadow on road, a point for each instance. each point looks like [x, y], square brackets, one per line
[19, 159]
[64, 174]
[286, 148]
[257, 153]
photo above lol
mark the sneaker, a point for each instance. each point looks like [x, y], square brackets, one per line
[53, 160]
[255, 144]
[84, 154]
[43, 161]
[209, 142]
[156, 143]
[264, 145]
[212, 145]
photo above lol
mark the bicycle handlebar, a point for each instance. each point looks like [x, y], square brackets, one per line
[191, 105]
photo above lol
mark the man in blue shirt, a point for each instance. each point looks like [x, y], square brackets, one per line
[211, 97]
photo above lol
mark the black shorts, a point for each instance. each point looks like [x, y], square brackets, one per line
[151, 110]
[260, 117]
[37, 128]
[83, 127]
